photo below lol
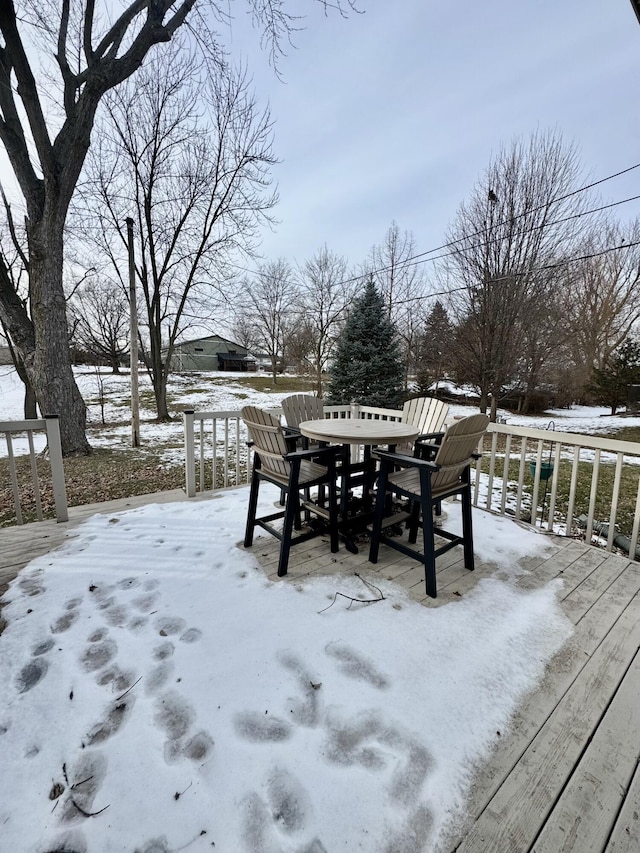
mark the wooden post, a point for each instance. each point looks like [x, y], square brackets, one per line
[57, 468]
[133, 345]
[189, 453]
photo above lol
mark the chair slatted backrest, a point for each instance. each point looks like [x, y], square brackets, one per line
[460, 442]
[268, 440]
[302, 407]
[425, 413]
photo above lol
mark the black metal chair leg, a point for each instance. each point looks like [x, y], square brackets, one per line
[376, 527]
[292, 511]
[251, 512]
[427, 535]
[413, 522]
[467, 530]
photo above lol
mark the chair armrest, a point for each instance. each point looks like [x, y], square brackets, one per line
[406, 461]
[313, 453]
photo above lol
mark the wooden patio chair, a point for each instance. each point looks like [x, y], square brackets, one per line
[307, 407]
[293, 472]
[424, 483]
[428, 414]
[302, 407]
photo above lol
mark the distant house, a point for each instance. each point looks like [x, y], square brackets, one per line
[211, 353]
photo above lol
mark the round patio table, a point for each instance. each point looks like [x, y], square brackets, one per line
[356, 431]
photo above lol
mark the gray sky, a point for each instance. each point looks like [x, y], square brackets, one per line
[395, 113]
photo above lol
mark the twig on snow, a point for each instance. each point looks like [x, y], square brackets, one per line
[351, 599]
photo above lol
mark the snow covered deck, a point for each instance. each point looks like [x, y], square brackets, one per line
[565, 776]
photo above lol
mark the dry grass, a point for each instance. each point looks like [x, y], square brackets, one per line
[104, 475]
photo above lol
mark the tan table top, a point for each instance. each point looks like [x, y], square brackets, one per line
[358, 431]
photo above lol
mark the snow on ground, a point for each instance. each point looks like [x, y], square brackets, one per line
[159, 694]
[222, 392]
[102, 391]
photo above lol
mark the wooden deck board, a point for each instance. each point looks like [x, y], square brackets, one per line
[586, 811]
[565, 777]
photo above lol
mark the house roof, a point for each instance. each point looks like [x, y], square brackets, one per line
[209, 338]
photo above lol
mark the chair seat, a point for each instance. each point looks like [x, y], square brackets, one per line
[310, 473]
[408, 480]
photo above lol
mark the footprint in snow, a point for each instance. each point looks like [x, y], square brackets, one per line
[355, 665]
[278, 818]
[169, 625]
[176, 716]
[128, 583]
[97, 655]
[120, 680]
[115, 717]
[31, 674]
[42, 648]
[84, 779]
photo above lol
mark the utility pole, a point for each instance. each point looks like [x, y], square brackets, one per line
[133, 344]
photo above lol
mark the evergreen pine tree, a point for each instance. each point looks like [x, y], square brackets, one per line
[609, 384]
[368, 367]
[435, 348]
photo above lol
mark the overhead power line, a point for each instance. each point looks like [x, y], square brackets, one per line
[511, 276]
[422, 257]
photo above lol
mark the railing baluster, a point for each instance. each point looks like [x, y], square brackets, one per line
[505, 474]
[214, 472]
[492, 467]
[35, 480]
[554, 486]
[202, 457]
[237, 451]
[13, 477]
[523, 462]
[226, 452]
[636, 522]
[613, 511]
[572, 488]
[592, 498]
[536, 486]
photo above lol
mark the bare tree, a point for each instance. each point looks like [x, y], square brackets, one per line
[14, 270]
[602, 296]
[402, 284]
[190, 158]
[93, 51]
[271, 297]
[100, 312]
[325, 295]
[514, 224]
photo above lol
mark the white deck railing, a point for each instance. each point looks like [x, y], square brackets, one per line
[49, 424]
[522, 494]
[605, 462]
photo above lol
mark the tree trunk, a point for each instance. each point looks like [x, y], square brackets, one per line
[494, 408]
[30, 410]
[48, 366]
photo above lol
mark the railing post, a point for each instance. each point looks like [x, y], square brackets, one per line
[189, 452]
[57, 467]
